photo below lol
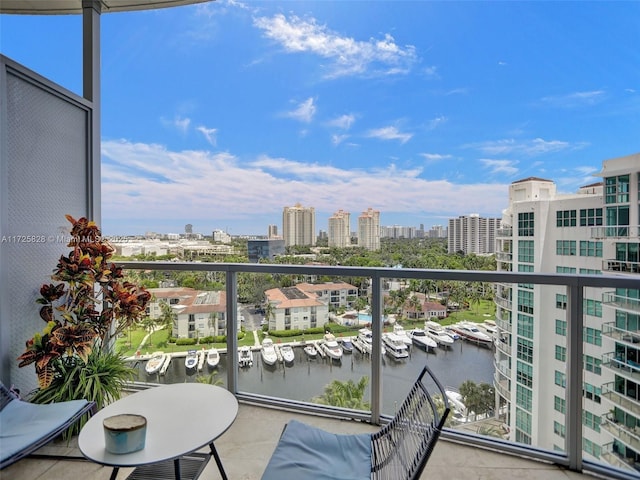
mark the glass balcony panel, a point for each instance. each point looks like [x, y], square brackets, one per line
[529, 396]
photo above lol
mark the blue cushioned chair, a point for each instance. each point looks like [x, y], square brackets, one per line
[398, 451]
[25, 427]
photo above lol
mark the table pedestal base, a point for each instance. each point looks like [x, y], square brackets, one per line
[191, 466]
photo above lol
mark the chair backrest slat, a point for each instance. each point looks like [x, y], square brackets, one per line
[400, 450]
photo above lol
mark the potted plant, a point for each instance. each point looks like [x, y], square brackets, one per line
[90, 304]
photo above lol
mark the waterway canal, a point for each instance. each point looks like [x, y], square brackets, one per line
[306, 379]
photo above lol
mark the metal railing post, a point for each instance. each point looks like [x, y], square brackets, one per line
[575, 349]
[232, 328]
[376, 351]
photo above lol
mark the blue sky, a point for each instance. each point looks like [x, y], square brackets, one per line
[221, 114]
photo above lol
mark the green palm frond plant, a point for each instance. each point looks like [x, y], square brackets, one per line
[90, 304]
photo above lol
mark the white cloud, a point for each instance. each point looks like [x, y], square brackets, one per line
[506, 167]
[304, 112]
[343, 121]
[531, 148]
[575, 99]
[179, 123]
[347, 55]
[389, 133]
[209, 134]
[338, 139]
[436, 122]
[172, 185]
[435, 157]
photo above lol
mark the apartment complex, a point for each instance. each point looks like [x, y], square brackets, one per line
[472, 234]
[340, 229]
[294, 309]
[591, 232]
[369, 229]
[299, 225]
[196, 313]
[334, 294]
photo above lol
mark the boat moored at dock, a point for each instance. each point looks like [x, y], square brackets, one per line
[155, 363]
[245, 356]
[396, 347]
[471, 333]
[438, 333]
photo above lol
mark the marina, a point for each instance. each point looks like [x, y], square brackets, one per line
[306, 376]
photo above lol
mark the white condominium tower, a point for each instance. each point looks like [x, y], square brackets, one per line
[591, 232]
[299, 225]
[369, 229]
[472, 234]
[340, 229]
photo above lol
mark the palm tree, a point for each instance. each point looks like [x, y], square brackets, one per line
[269, 311]
[345, 394]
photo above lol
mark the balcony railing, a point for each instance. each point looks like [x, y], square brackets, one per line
[622, 366]
[611, 330]
[618, 399]
[611, 299]
[627, 435]
[504, 256]
[620, 266]
[615, 458]
[504, 232]
[615, 231]
[571, 457]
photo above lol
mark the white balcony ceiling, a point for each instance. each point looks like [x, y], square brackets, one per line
[61, 7]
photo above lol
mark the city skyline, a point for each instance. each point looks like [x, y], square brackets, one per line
[218, 114]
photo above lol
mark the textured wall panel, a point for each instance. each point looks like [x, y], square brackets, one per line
[45, 160]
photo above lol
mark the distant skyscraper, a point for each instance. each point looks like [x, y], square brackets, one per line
[299, 225]
[188, 229]
[473, 234]
[339, 229]
[369, 229]
[273, 231]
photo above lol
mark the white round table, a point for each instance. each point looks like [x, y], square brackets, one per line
[181, 418]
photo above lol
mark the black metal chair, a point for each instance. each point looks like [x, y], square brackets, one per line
[25, 427]
[398, 451]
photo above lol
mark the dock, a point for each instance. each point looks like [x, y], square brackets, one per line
[202, 355]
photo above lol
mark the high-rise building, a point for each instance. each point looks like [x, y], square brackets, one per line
[592, 232]
[340, 229]
[188, 229]
[472, 234]
[369, 229]
[273, 232]
[299, 225]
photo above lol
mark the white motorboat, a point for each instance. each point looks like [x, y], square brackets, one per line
[470, 332]
[213, 357]
[347, 345]
[310, 350]
[191, 362]
[154, 364]
[365, 337]
[331, 347]
[288, 356]
[268, 352]
[402, 333]
[395, 346]
[422, 340]
[459, 409]
[438, 333]
[245, 357]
